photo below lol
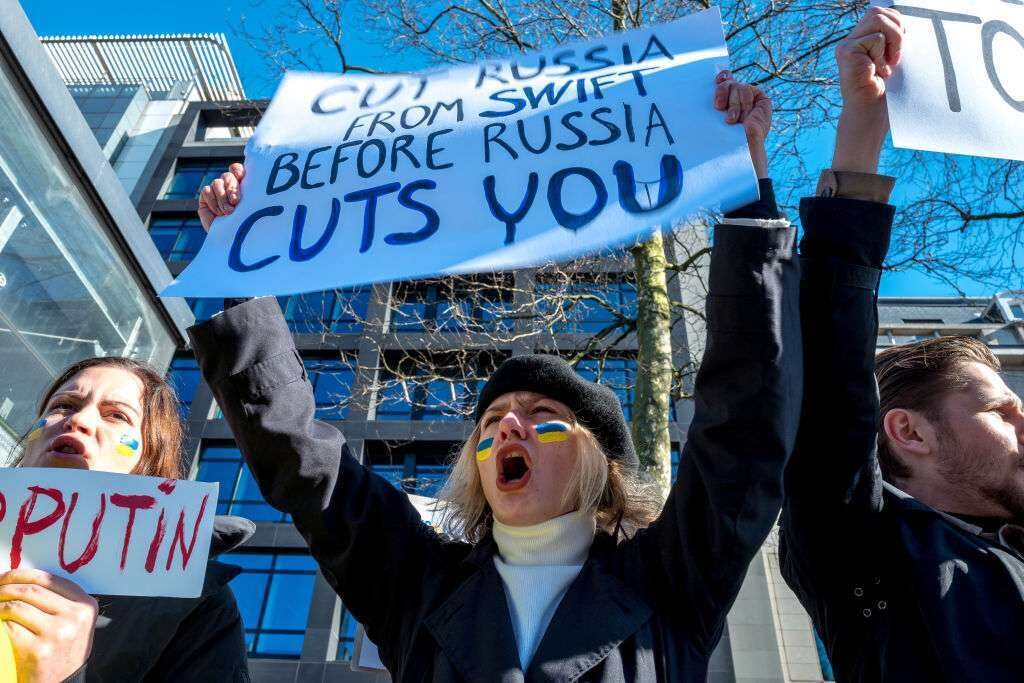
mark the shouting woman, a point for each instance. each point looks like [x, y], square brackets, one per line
[120, 415]
[563, 569]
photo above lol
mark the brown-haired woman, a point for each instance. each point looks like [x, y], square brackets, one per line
[84, 414]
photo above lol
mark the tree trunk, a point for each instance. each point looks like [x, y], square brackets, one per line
[654, 365]
[654, 355]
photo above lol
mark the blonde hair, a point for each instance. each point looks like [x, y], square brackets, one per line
[602, 487]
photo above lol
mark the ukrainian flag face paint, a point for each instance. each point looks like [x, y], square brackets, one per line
[37, 430]
[554, 431]
[128, 445]
[483, 449]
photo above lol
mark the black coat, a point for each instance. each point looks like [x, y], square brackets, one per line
[650, 608]
[897, 591]
[184, 640]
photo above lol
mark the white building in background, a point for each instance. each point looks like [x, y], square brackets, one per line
[79, 275]
[133, 89]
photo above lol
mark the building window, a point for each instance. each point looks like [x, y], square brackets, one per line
[204, 309]
[674, 455]
[330, 311]
[191, 176]
[826, 666]
[239, 494]
[177, 239]
[884, 338]
[184, 376]
[346, 636]
[68, 290]
[457, 305]
[420, 468]
[274, 592]
[619, 375]
[586, 307]
[432, 386]
[910, 338]
[332, 385]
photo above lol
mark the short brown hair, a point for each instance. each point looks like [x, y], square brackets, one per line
[161, 425]
[918, 376]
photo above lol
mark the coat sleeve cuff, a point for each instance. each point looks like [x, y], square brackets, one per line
[869, 187]
[763, 208]
[851, 231]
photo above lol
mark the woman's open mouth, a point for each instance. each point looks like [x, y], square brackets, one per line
[513, 468]
[69, 448]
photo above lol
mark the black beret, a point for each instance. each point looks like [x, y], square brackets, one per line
[596, 407]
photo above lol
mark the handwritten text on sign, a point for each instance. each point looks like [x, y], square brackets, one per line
[112, 534]
[357, 179]
[960, 87]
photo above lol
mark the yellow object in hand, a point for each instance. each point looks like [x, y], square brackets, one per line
[8, 670]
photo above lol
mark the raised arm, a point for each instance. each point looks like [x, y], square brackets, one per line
[367, 537]
[747, 397]
[833, 484]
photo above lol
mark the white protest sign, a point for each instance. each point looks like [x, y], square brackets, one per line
[503, 164]
[112, 534]
[959, 87]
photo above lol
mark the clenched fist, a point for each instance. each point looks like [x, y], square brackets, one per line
[866, 57]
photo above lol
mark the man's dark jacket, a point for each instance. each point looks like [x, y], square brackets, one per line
[187, 640]
[897, 591]
[649, 608]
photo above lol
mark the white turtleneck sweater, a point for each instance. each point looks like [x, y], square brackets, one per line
[537, 563]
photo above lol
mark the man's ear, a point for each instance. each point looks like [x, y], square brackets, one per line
[910, 434]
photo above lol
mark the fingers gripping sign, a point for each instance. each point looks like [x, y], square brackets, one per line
[220, 197]
[746, 104]
[50, 622]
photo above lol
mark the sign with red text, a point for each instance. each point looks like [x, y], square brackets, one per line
[354, 179]
[959, 87]
[112, 534]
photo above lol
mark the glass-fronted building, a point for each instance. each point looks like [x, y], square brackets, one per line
[78, 278]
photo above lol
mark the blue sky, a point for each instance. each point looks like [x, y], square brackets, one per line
[203, 16]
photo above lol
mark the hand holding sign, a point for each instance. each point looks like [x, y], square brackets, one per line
[50, 622]
[746, 104]
[492, 166]
[113, 534]
[742, 103]
[220, 197]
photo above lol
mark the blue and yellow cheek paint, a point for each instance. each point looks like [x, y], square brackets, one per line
[37, 430]
[128, 446]
[547, 432]
[483, 449]
[552, 432]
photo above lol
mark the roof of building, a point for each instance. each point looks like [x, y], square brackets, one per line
[160, 63]
[927, 310]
